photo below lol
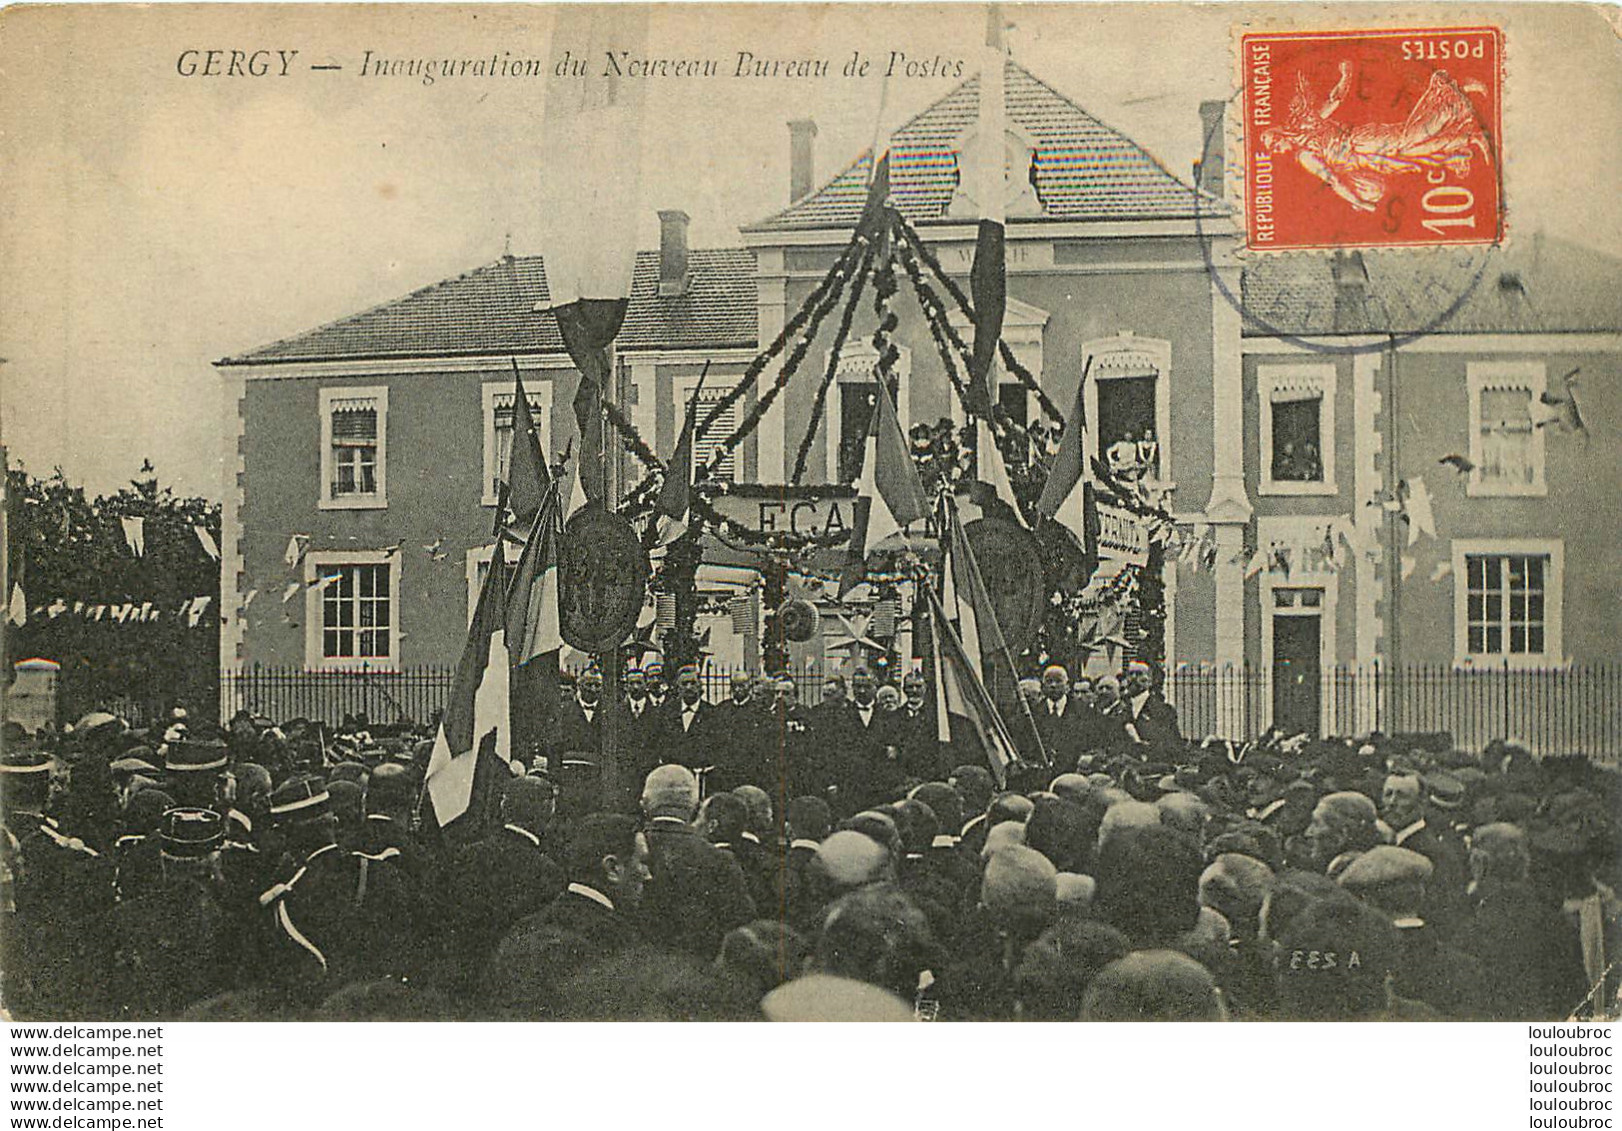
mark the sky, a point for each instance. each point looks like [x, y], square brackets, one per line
[153, 222]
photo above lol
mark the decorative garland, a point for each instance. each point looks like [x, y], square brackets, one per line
[962, 300]
[832, 372]
[935, 316]
[807, 321]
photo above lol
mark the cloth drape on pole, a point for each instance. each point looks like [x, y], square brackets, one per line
[591, 194]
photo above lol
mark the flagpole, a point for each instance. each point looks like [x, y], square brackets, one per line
[611, 668]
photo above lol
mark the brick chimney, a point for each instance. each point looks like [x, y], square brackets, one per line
[802, 162]
[672, 252]
[1209, 170]
[1351, 292]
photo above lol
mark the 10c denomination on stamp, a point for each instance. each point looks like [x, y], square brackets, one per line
[1372, 138]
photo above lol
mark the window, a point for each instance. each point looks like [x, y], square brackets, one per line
[498, 429]
[351, 610]
[1506, 446]
[849, 409]
[706, 446]
[1507, 601]
[1297, 429]
[1126, 377]
[354, 446]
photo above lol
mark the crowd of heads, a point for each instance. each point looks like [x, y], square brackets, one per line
[295, 871]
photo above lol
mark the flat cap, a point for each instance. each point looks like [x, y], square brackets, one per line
[1383, 865]
[827, 997]
[1444, 791]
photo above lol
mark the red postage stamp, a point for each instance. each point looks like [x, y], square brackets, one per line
[1372, 138]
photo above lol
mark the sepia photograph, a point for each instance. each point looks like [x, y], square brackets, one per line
[811, 512]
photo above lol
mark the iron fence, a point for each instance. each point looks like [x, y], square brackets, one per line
[1575, 709]
[409, 695]
[1567, 710]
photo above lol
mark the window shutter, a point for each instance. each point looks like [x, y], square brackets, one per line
[705, 446]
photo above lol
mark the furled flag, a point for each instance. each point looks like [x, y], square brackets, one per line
[988, 284]
[475, 728]
[964, 712]
[206, 540]
[248, 599]
[1068, 493]
[1418, 509]
[296, 544]
[889, 480]
[287, 594]
[528, 479]
[195, 613]
[591, 159]
[17, 610]
[533, 626]
[675, 497]
[135, 534]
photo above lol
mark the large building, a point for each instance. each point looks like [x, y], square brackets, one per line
[379, 438]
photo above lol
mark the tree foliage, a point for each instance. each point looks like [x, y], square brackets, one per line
[69, 554]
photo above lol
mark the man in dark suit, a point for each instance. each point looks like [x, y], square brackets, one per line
[1147, 718]
[869, 758]
[920, 747]
[723, 820]
[690, 736]
[1058, 718]
[1530, 951]
[1393, 880]
[580, 725]
[592, 920]
[499, 880]
[697, 892]
[735, 721]
[642, 727]
[1402, 806]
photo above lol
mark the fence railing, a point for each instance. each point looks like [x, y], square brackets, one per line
[410, 695]
[1575, 709]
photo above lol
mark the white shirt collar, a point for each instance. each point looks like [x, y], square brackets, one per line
[525, 833]
[592, 894]
[1408, 922]
[1138, 701]
[589, 708]
[804, 842]
[1057, 706]
[944, 840]
[1409, 831]
[751, 838]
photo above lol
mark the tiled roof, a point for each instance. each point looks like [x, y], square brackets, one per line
[491, 310]
[1084, 170]
[1539, 284]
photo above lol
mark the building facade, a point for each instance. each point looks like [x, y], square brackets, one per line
[1297, 409]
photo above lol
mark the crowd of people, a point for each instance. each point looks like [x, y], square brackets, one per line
[770, 861]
